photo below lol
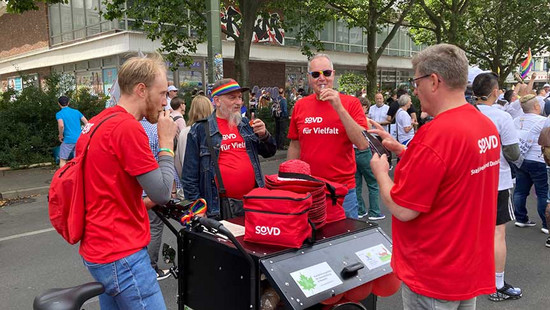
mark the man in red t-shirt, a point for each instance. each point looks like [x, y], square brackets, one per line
[444, 194]
[236, 142]
[119, 164]
[323, 129]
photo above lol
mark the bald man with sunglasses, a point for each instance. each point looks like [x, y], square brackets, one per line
[324, 127]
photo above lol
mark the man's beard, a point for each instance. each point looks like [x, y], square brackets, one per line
[151, 112]
[233, 119]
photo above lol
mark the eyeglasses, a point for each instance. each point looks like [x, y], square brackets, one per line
[316, 74]
[419, 78]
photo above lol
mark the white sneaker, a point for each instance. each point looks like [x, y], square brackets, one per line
[376, 218]
[544, 230]
[163, 274]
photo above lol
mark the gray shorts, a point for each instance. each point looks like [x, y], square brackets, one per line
[414, 301]
[65, 150]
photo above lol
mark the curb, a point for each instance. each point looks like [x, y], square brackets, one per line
[3, 169]
[25, 192]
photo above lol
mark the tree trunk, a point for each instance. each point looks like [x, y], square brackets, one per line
[372, 59]
[249, 12]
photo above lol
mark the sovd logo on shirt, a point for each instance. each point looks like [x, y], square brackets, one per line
[313, 120]
[487, 143]
[229, 136]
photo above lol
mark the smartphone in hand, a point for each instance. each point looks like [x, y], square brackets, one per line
[375, 144]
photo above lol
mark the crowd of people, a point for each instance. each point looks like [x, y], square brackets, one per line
[150, 151]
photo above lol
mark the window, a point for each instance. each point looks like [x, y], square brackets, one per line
[66, 21]
[327, 34]
[79, 19]
[356, 40]
[92, 17]
[55, 24]
[342, 32]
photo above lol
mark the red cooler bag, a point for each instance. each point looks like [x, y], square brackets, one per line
[277, 217]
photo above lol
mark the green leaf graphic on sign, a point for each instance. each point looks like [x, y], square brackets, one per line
[306, 283]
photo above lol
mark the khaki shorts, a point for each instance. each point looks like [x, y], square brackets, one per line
[414, 301]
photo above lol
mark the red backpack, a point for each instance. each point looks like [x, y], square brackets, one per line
[66, 197]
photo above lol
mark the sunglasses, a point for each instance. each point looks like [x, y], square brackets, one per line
[375, 144]
[316, 74]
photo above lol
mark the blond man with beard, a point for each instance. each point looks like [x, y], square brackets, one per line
[236, 142]
[119, 164]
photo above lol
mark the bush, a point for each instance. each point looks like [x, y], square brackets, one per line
[28, 132]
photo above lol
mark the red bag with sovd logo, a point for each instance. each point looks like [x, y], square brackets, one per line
[277, 217]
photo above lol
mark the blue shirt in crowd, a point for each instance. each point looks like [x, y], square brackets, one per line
[71, 124]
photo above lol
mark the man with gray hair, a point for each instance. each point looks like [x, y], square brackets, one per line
[403, 121]
[532, 171]
[323, 129]
[444, 194]
[235, 143]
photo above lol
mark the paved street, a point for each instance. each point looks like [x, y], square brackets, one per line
[34, 258]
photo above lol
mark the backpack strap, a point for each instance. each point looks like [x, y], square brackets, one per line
[86, 152]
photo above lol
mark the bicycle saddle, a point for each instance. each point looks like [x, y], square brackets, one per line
[70, 298]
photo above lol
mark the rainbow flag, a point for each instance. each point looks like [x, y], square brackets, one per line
[527, 65]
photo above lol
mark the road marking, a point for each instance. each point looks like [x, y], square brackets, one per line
[36, 232]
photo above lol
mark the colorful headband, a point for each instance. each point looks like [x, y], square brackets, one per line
[227, 88]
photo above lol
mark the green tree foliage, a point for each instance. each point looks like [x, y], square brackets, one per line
[500, 32]
[438, 21]
[494, 33]
[179, 25]
[29, 130]
[352, 83]
[180, 31]
[20, 6]
[371, 16]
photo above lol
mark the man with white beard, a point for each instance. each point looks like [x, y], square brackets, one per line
[235, 142]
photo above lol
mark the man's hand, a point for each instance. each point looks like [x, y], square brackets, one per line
[149, 204]
[379, 165]
[331, 95]
[167, 129]
[60, 138]
[259, 127]
[533, 76]
[388, 140]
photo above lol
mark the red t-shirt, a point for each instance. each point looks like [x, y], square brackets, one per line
[117, 224]
[449, 174]
[324, 143]
[235, 165]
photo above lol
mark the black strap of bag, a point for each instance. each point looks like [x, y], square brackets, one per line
[214, 155]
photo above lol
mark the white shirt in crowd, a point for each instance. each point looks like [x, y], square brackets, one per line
[540, 99]
[514, 109]
[529, 127]
[379, 114]
[402, 120]
[508, 136]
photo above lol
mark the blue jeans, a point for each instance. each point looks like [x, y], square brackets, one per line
[531, 172]
[362, 158]
[548, 196]
[350, 204]
[130, 283]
